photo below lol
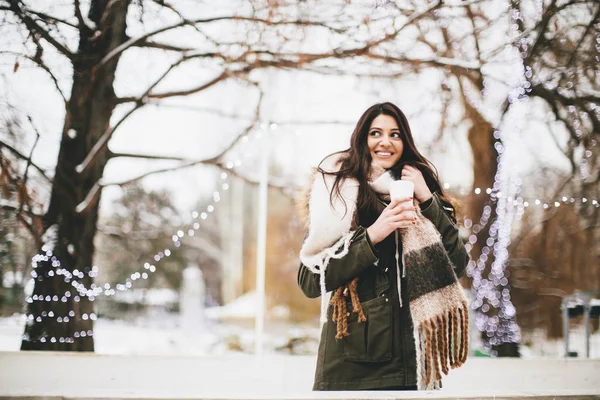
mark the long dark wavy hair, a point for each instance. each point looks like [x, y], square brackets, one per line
[356, 163]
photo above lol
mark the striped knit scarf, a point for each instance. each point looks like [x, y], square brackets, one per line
[437, 303]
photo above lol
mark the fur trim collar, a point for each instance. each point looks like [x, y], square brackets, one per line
[330, 222]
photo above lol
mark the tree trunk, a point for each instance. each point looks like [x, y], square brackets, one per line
[70, 234]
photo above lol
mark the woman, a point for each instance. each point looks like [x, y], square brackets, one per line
[397, 317]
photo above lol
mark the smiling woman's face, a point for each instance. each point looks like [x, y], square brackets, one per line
[384, 141]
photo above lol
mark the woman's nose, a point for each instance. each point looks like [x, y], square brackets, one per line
[385, 139]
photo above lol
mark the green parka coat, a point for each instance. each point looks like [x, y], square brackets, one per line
[381, 351]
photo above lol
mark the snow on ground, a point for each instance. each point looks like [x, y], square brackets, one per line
[163, 334]
[540, 347]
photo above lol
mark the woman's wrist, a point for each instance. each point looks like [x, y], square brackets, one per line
[371, 244]
[422, 198]
[373, 236]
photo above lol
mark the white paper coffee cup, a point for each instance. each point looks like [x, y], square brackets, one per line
[401, 189]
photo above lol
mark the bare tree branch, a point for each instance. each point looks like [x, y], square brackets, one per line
[568, 151]
[41, 64]
[162, 46]
[273, 182]
[143, 156]
[168, 6]
[389, 37]
[29, 225]
[165, 95]
[35, 28]
[189, 23]
[131, 42]
[215, 160]
[281, 61]
[193, 90]
[139, 103]
[160, 171]
[220, 113]
[474, 30]
[79, 15]
[26, 173]
[313, 122]
[90, 199]
[552, 11]
[465, 3]
[45, 17]
[554, 98]
[24, 157]
[444, 62]
[587, 30]
[102, 142]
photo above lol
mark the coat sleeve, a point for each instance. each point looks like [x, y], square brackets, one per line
[432, 209]
[361, 255]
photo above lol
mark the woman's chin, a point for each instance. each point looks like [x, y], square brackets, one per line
[386, 163]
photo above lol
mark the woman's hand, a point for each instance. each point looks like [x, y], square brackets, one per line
[422, 192]
[398, 214]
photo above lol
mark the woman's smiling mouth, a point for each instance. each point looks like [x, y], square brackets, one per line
[384, 154]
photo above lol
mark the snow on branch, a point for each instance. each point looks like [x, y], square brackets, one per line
[49, 238]
[102, 142]
[89, 200]
[83, 20]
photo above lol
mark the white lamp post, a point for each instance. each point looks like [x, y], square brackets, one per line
[261, 244]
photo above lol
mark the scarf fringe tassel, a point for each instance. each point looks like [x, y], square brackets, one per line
[340, 312]
[442, 343]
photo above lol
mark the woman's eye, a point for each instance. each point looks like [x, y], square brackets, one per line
[375, 133]
[396, 135]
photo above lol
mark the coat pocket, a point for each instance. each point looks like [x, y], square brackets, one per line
[370, 341]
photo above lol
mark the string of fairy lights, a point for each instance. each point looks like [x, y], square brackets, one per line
[526, 202]
[107, 290]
